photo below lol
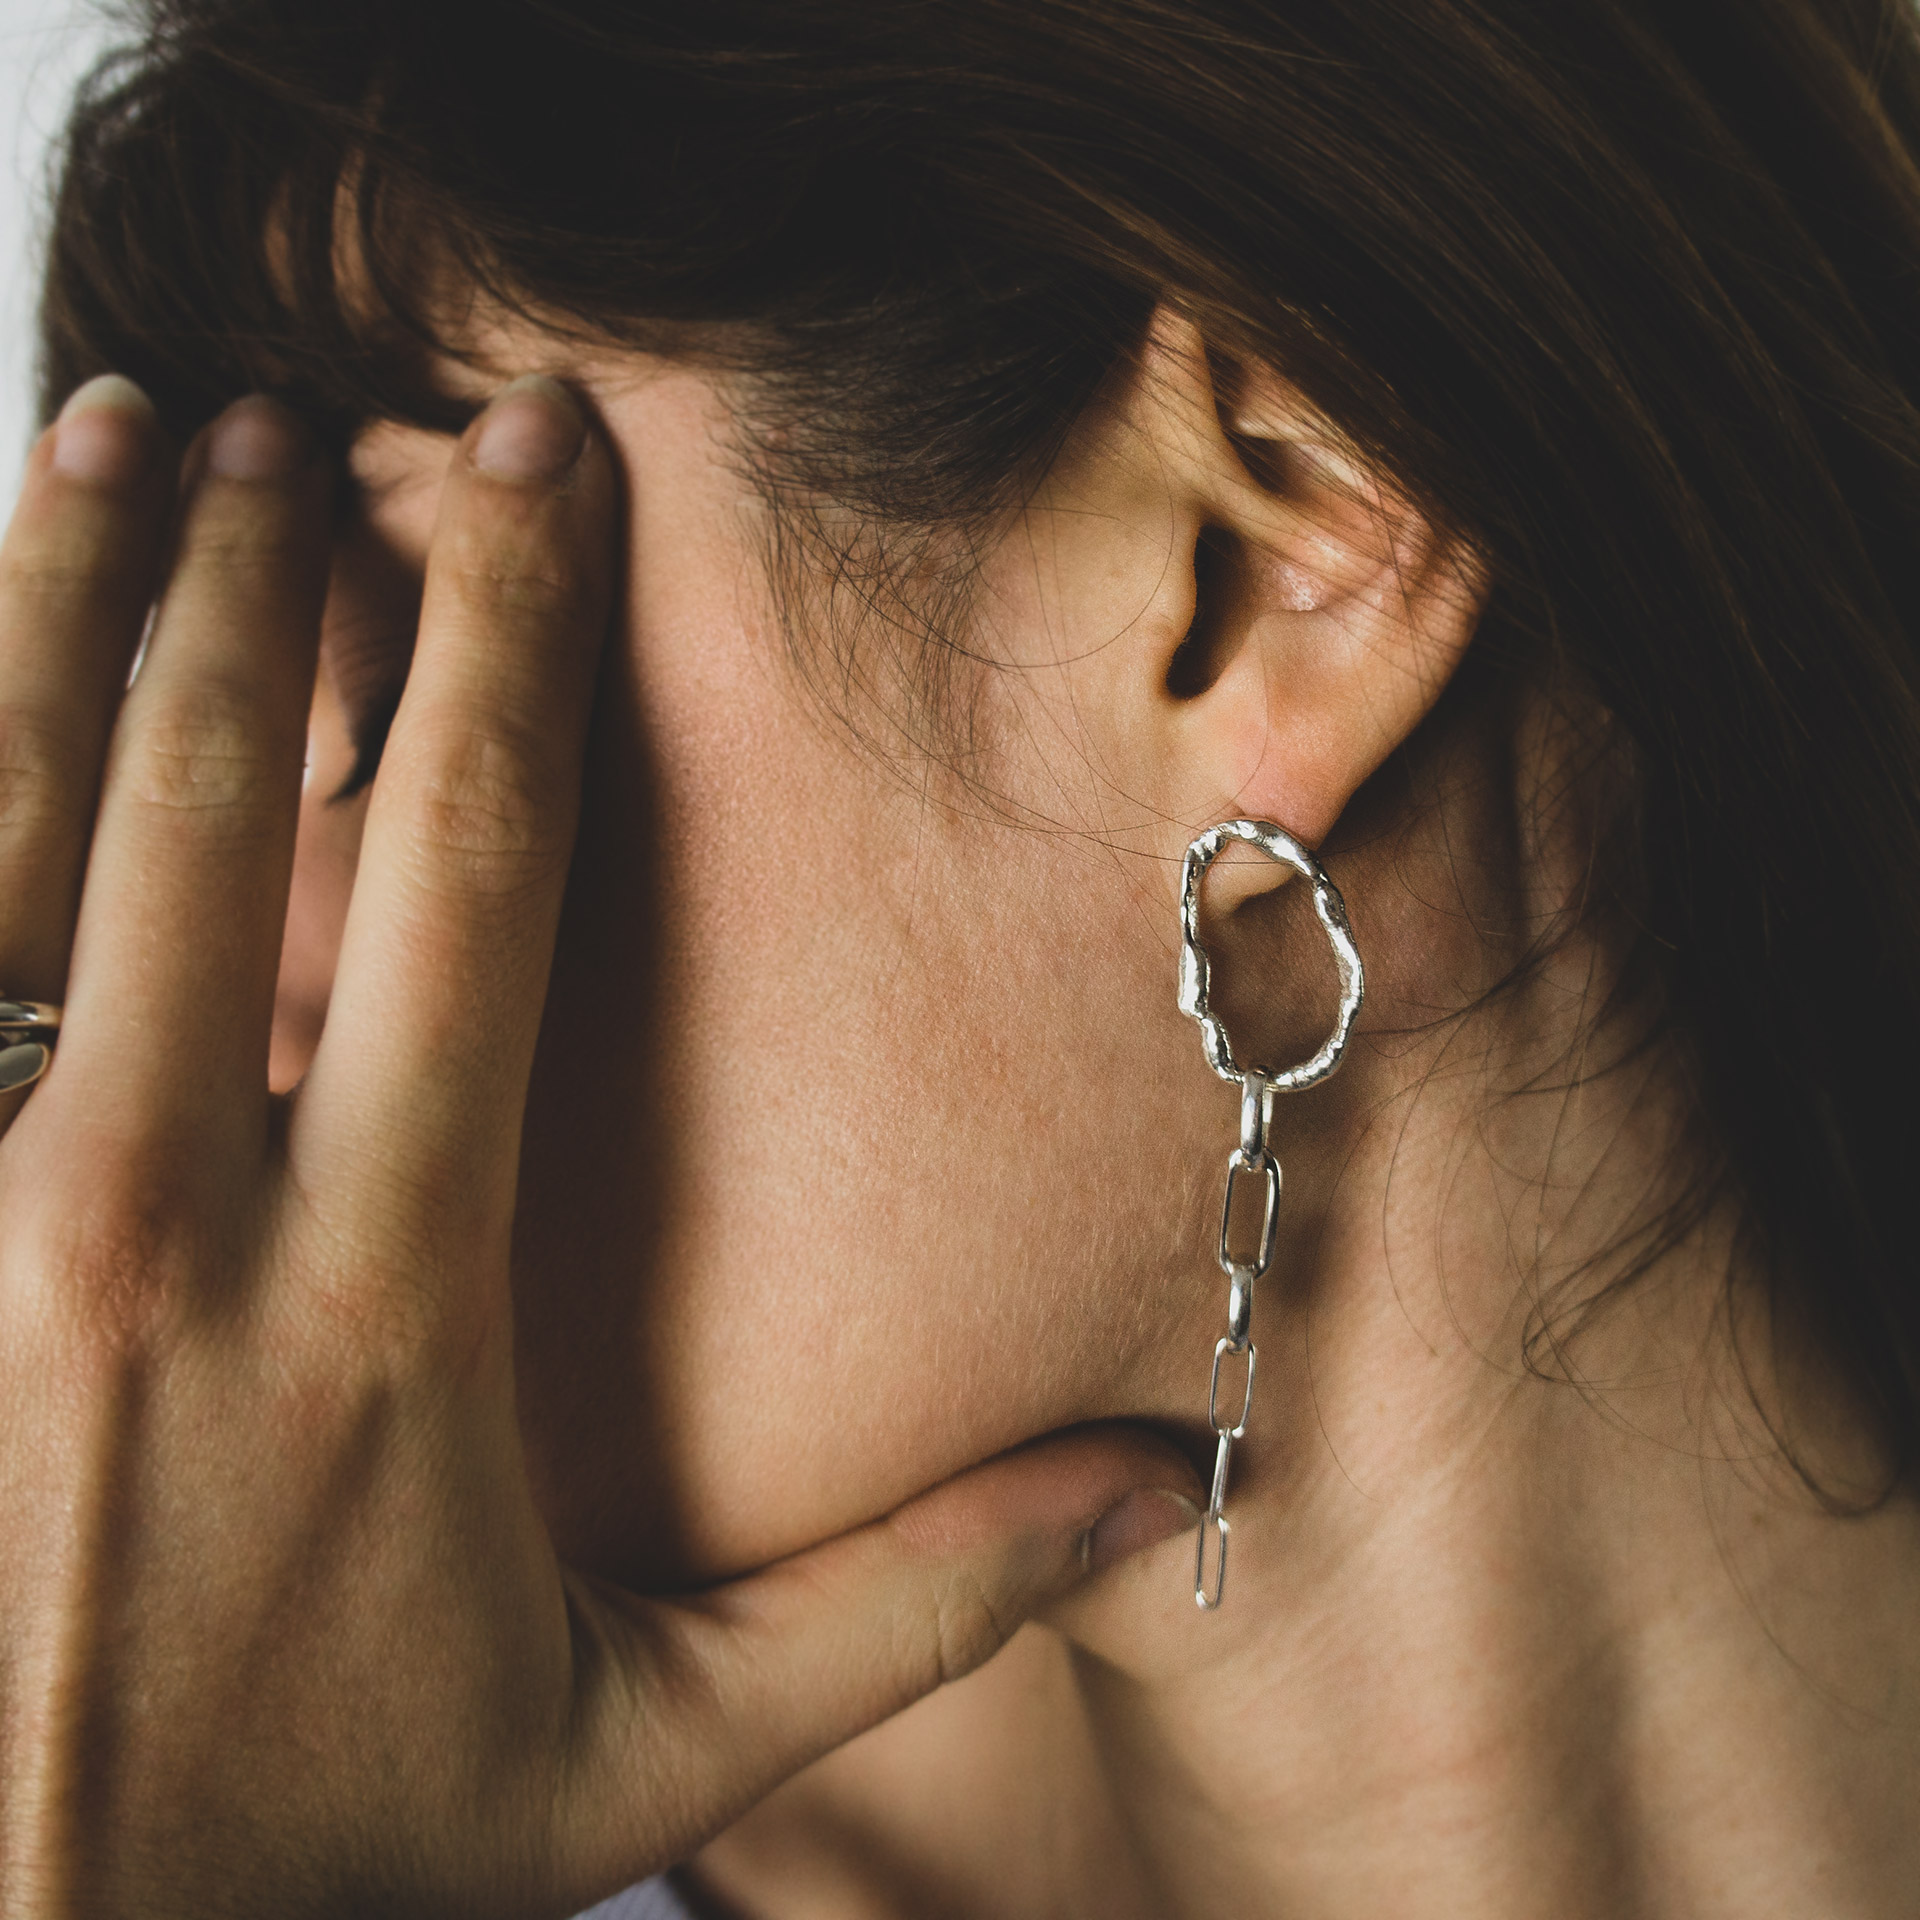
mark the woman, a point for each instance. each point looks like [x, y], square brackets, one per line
[893, 480]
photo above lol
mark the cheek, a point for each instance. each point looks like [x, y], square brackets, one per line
[850, 1161]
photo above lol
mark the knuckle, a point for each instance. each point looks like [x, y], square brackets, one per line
[510, 570]
[958, 1626]
[545, 594]
[488, 804]
[369, 1328]
[122, 1256]
[42, 771]
[204, 752]
[402, 1325]
[49, 576]
[388, 1299]
[242, 546]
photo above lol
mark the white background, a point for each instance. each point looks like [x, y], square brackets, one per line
[45, 45]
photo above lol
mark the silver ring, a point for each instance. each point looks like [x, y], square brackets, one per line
[28, 1029]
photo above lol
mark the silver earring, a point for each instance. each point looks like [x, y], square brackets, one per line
[1252, 1156]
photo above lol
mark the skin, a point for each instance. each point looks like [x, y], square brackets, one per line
[863, 1144]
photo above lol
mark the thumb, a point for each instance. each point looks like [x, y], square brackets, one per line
[694, 1709]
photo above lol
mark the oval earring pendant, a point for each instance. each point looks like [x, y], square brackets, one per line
[1196, 970]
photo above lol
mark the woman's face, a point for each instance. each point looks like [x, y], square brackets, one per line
[866, 1140]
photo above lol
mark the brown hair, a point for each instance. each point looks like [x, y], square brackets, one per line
[1627, 291]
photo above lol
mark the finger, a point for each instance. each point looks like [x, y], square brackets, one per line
[78, 572]
[417, 1089]
[703, 1708]
[171, 1001]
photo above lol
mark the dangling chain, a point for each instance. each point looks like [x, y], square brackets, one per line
[1251, 1157]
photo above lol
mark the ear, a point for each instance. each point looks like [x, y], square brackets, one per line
[1285, 619]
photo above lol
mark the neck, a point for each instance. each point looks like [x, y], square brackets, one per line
[1530, 1613]
[1498, 1638]
[1503, 1645]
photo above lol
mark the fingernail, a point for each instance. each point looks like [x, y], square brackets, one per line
[258, 439]
[1142, 1520]
[533, 431]
[105, 432]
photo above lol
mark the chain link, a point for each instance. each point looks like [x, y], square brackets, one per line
[1251, 1157]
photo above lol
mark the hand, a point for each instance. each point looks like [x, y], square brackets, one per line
[281, 1630]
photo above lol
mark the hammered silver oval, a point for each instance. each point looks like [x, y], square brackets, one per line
[1196, 973]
